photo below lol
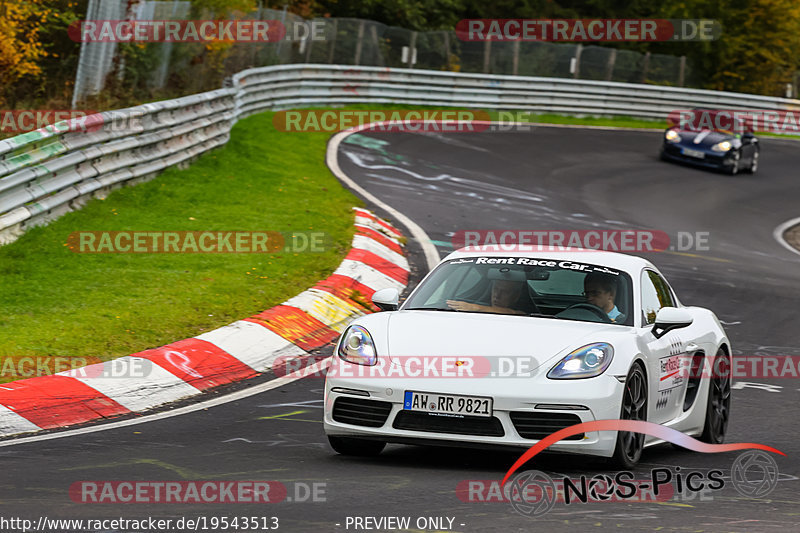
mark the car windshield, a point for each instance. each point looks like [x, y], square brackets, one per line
[550, 288]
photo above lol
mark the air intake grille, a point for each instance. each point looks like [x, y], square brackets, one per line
[360, 412]
[537, 425]
[467, 425]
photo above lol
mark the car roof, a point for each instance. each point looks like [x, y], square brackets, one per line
[619, 261]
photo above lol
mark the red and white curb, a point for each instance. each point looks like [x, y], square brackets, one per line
[231, 353]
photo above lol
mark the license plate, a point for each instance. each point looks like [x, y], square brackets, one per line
[694, 153]
[450, 404]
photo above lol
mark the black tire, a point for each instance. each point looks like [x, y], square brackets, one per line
[718, 403]
[357, 447]
[734, 168]
[753, 168]
[629, 446]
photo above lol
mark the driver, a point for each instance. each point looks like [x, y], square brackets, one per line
[601, 290]
[506, 296]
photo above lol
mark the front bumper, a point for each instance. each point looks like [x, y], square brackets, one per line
[517, 407]
[716, 160]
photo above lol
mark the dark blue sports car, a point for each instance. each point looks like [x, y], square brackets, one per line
[729, 150]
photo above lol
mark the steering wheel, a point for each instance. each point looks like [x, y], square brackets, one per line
[602, 315]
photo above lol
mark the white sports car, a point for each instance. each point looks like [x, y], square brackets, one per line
[504, 348]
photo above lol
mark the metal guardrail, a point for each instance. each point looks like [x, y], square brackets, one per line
[48, 172]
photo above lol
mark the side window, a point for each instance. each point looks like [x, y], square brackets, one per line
[655, 295]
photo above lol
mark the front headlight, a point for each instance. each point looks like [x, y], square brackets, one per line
[357, 347]
[585, 362]
[724, 146]
[672, 136]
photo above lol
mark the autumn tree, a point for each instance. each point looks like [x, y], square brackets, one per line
[20, 48]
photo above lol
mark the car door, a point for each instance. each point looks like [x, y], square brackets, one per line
[666, 381]
[748, 147]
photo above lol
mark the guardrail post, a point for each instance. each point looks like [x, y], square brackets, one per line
[576, 62]
[412, 50]
[682, 72]
[487, 55]
[374, 34]
[447, 49]
[283, 23]
[333, 41]
[360, 42]
[612, 60]
[310, 39]
[645, 67]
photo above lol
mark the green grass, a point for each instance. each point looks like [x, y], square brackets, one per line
[55, 302]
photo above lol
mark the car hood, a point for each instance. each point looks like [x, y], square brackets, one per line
[450, 334]
[707, 138]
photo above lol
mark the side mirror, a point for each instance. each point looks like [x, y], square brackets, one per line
[669, 318]
[387, 299]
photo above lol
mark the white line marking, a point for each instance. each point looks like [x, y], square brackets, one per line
[779, 231]
[257, 389]
[331, 158]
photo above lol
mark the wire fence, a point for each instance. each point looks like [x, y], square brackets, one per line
[177, 69]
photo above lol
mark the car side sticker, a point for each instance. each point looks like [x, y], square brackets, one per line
[670, 372]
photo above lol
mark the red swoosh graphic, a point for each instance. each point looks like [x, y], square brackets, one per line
[635, 426]
[670, 375]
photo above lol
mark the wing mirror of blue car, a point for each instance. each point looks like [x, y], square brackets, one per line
[669, 318]
[387, 299]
